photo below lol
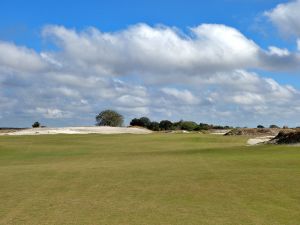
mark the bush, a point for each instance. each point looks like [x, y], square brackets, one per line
[109, 118]
[274, 127]
[142, 122]
[166, 125]
[188, 125]
[260, 127]
[36, 125]
[135, 122]
[153, 126]
[203, 126]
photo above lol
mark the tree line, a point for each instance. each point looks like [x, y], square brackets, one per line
[169, 125]
[114, 119]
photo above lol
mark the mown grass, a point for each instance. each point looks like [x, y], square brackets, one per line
[170, 179]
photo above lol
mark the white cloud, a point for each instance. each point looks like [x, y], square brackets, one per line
[248, 99]
[143, 70]
[132, 101]
[21, 59]
[278, 51]
[162, 50]
[182, 96]
[52, 113]
[286, 17]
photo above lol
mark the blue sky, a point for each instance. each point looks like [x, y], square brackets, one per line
[21, 21]
[40, 34]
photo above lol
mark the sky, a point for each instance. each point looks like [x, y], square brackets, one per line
[230, 62]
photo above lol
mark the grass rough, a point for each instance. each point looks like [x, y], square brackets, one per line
[159, 179]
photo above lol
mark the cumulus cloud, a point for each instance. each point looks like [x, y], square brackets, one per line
[286, 17]
[156, 71]
[163, 50]
[279, 51]
[183, 96]
[51, 113]
[19, 59]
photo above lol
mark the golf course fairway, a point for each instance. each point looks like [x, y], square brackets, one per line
[155, 179]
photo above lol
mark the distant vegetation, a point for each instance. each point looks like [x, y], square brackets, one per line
[36, 125]
[109, 118]
[165, 125]
[112, 118]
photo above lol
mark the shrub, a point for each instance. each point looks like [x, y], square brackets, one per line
[142, 122]
[188, 125]
[36, 125]
[135, 122]
[166, 125]
[203, 126]
[153, 126]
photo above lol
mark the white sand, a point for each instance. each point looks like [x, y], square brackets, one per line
[219, 132]
[259, 140]
[81, 130]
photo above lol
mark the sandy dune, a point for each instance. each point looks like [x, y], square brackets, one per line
[259, 140]
[81, 130]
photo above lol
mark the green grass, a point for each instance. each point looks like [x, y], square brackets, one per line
[169, 179]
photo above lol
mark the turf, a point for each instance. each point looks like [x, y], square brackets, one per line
[169, 179]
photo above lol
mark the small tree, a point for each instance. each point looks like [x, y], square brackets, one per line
[203, 126]
[145, 121]
[142, 122]
[188, 125]
[260, 127]
[109, 118]
[135, 122]
[36, 125]
[165, 125]
[274, 126]
[153, 126]
[177, 125]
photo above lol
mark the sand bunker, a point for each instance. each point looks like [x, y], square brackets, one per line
[80, 130]
[259, 140]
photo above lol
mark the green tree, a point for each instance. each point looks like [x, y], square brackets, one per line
[188, 125]
[142, 122]
[135, 122]
[166, 125]
[274, 126]
[36, 125]
[145, 121]
[154, 126]
[109, 118]
[203, 126]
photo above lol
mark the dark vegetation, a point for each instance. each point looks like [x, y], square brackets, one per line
[166, 125]
[284, 137]
[114, 119]
[36, 125]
